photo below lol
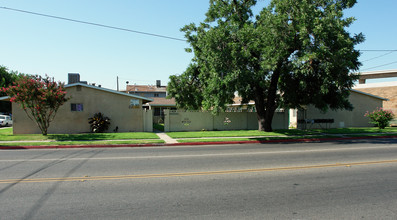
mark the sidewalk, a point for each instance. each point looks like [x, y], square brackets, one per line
[167, 139]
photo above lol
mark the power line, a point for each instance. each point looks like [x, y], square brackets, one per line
[378, 50]
[379, 66]
[125, 29]
[373, 58]
[94, 24]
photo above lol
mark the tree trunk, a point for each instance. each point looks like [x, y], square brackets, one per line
[271, 98]
[268, 120]
[265, 109]
[260, 114]
[260, 108]
[265, 118]
[44, 132]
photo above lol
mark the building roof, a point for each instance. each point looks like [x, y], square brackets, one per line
[238, 101]
[145, 88]
[368, 94]
[378, 74]
[376, 85]
[5, 98]
[144, 99]
[162, 102]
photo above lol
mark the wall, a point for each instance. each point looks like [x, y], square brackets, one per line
[343, 118]
[176, 120]
[385, 92]
[114, 106]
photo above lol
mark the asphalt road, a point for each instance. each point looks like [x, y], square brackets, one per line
[330, 180]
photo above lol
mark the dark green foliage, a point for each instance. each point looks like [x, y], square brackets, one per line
[99, 123]
[39, 97]
[6, 79]
[293, 53]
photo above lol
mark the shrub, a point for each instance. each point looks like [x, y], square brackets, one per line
[99, 123]
[380, 117]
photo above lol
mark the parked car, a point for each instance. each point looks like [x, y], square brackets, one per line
[5, 120]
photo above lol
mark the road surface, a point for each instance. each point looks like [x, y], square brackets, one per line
[354, 179]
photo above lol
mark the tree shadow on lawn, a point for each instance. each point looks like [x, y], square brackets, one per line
[81, 137]
[330, 139]
[296, 132]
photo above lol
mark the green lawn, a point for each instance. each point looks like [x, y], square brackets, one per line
[6, 135]
[357, 130]
[159, 127]
[60, 143]
[279, 138]
[238, 133]
[252, 139]
[202, 136]
[280, 133]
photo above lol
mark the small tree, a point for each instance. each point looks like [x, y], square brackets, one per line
[39, 97]
[380, 117]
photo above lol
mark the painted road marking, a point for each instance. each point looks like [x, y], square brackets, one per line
[201, 155]
[164, 175]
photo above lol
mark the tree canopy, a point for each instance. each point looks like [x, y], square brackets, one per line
[7, 77]
[39, 97]
[293, 53]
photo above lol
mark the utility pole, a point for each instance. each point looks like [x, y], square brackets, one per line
[117, 83]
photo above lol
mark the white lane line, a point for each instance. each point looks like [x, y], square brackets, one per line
[201, 155]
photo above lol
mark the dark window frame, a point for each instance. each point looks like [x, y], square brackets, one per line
[76, 107]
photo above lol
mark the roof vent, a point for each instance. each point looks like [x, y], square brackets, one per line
[73, 78]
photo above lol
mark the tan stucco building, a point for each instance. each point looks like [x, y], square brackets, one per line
[124, 110]
[385, 89]
[362, 102]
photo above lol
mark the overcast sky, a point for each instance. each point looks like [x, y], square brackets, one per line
[41, 45]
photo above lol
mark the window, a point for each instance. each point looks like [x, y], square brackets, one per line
[76, 107]
[134, 103]
[156, 95]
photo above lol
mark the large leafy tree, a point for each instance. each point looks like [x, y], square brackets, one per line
[7, 77]
[293, 53]
[39, 97]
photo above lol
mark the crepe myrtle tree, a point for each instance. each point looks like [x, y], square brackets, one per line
[40, 98]
[291, 54]
[380, 117]
[7, 77]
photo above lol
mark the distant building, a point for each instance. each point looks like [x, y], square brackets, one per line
[156, 92]
[386, 90]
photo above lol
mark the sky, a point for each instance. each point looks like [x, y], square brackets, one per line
[40, 45]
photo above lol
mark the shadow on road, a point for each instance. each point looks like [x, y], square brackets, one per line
[36, 207]
[366, 140]
[27, 160]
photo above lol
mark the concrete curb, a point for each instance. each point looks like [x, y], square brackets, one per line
[192, 143]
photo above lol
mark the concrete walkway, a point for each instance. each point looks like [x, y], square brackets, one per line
[167, 139]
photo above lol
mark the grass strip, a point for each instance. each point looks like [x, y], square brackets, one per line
[239, 133]
[356, 130]
[252, 139]
[60, 143]
[159, 127]
[7, 135]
